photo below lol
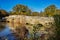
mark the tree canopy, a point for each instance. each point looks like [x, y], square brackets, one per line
[3, 13]
[20, 10]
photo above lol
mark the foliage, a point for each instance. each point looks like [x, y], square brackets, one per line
[3, 13]
[24, 10]
[20, 10]
[57, 23]
[36, 28]
[50, 10]
[35, 14]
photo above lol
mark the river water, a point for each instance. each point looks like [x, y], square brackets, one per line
[5, 33]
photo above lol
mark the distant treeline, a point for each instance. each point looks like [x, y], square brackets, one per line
[20, 9]
[24, 10]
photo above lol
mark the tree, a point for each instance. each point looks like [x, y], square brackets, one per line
[35, 14]
[3, 13]
[50, 10]
[21, 9]
[41, 14]
[58, 11]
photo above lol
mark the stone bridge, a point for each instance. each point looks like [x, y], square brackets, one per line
[44, 25]
[20, 20]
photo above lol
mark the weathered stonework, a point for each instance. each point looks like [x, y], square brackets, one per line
[29, 21]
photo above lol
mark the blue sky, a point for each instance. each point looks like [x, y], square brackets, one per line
[34, 5]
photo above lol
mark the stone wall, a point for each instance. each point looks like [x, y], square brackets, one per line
[30, 22]
[16, 20]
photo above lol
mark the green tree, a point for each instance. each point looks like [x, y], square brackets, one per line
[35, 14]
[21, 9]
[50, 10]
[58, 11]
[42, 14]
[3, 13]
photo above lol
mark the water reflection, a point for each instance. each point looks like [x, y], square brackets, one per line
[5, 32]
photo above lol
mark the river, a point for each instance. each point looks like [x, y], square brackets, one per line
[6, 33]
